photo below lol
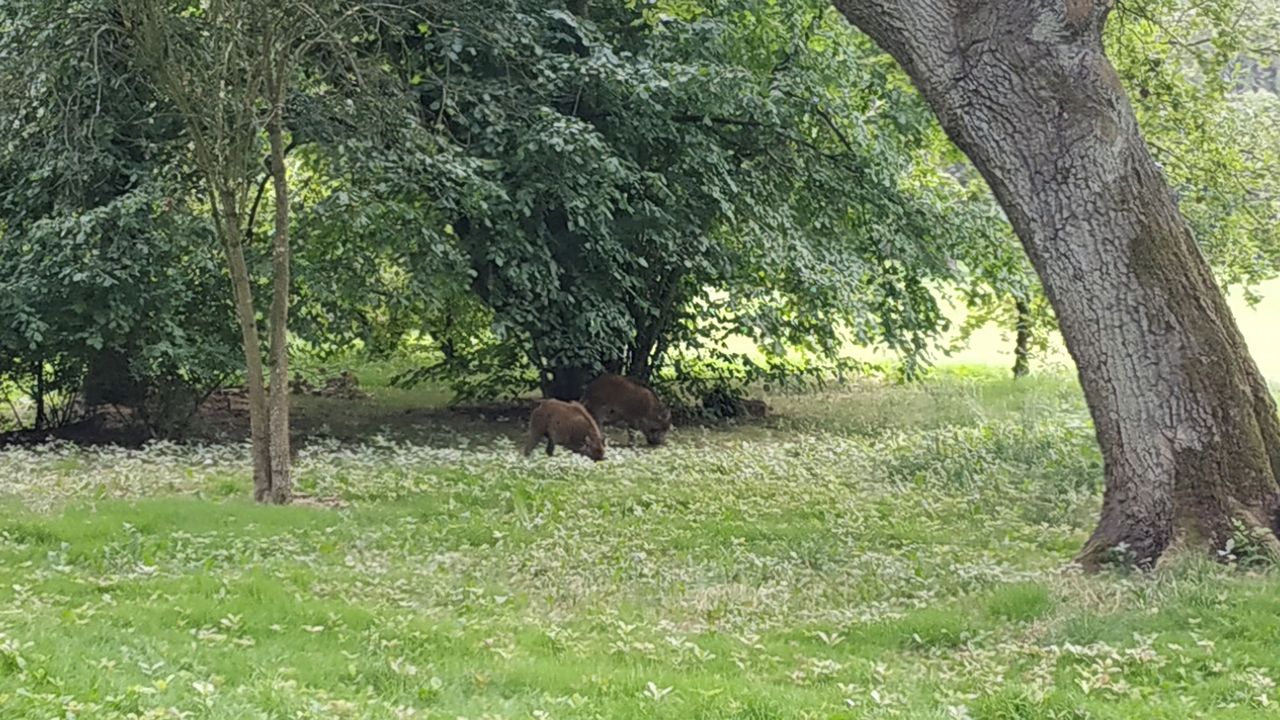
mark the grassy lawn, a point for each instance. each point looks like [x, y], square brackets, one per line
[885, 552]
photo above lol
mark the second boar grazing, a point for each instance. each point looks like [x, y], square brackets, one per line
[566, 424]
[616, 400]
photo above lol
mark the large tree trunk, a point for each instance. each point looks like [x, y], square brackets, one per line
[1187, 427]
[255, 385]
[281, 490]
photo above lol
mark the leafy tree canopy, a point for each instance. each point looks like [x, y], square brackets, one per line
[620, 181]
[549, 189]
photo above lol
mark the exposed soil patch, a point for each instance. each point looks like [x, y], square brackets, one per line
[104, 427]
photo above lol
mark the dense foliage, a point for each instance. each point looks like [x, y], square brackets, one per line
[543, 190]
[619, 184]
[108, 284]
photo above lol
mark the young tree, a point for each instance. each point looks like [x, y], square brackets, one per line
[224, 66]
[227, 69]
[1187, 426]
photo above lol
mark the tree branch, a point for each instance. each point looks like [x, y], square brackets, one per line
[262, 188]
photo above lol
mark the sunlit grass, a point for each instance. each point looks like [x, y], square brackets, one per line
[992, 346]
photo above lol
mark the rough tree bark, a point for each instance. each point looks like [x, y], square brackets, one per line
[1187, 427]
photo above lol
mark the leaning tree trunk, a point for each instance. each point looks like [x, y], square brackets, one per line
[255, 385]
[281, 490]
[1187, 427]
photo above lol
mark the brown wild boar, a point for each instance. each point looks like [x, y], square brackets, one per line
[616, 400]
[566, 424]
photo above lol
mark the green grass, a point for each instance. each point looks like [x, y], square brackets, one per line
[1020, 602]
[882, 552]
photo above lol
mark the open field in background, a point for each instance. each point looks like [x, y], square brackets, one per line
[883, 552]
[992, 346]
[1260, 325]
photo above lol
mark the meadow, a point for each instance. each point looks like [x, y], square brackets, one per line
[527, 188]
[877, 551]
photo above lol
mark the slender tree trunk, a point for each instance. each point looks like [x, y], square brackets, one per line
[639, 354]
[447, 348]
[281, 481]
[255, 385]
[652, 333]
[1187, 427]
[639, 367]
[1022, 343]
[42, 416]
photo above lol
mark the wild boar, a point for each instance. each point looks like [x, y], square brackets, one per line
[567, 424]
[616, 400]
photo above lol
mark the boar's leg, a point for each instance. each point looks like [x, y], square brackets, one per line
[531, 443]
